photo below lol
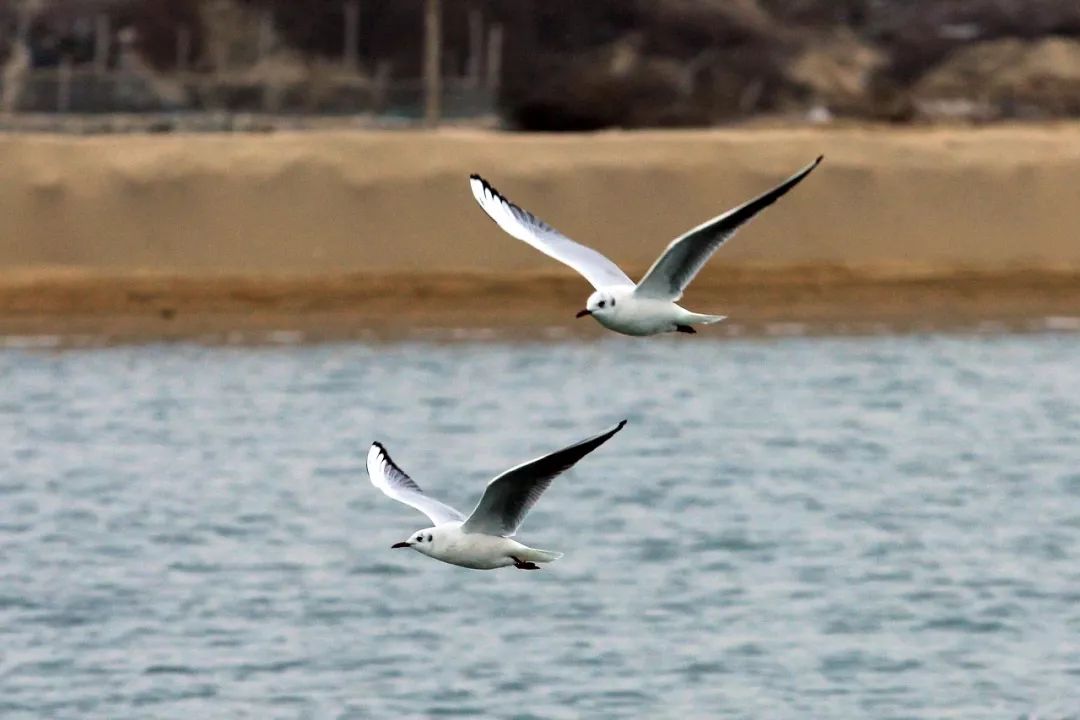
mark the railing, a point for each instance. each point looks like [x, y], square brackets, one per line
[116, 80]
[88, 90]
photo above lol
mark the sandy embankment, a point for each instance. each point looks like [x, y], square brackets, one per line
[340, 233]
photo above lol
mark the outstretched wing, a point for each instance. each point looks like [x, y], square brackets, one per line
[523, 225]
[393, 481]
[509, 497]
[684, 257]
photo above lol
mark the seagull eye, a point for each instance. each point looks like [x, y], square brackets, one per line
[429, 538]
[612, 302]
[601, 303]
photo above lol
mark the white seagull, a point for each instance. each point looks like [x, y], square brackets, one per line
[483, 540]
[650, 306]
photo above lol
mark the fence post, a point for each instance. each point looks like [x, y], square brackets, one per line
[101, 44]
[265, 47]
[220, 48]
[63, 85]
[351, 10]
[266, 37]
[476, 45]
[380, 86]
[183, 48]
[432, 65]
[494, 58]
[17, 68]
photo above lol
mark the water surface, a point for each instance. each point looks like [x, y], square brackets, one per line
[787, 528]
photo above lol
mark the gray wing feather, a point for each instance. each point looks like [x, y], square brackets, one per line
[522, 224]
[509, 497]
[685, 256]
[394, 483]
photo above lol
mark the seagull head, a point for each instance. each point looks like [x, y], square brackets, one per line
[421, 541]
[600, 303]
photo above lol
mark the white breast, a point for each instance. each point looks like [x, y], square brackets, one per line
[641, 316]
[473, 550]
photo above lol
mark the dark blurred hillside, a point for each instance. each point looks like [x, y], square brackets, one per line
[579, 65]
[569, 64]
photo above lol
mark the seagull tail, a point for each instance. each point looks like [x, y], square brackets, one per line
[698, 319]
[540, 556]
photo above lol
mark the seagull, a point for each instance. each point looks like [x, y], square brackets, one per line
[649, 307]
[483, 540]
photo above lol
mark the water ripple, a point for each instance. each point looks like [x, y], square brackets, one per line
[789, 527]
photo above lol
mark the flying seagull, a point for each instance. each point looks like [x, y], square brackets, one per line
[483, 540]
[618, 304]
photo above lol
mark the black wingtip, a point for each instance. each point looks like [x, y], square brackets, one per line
[484, 184]
[608, 434]
[603, 437]
[488, 187]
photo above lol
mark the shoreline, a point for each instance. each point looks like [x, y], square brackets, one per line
[79, 308]
[333, 235]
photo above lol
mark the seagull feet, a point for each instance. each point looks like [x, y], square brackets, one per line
[524, 564]
[686, 329]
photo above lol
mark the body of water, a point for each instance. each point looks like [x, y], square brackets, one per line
[787, 528]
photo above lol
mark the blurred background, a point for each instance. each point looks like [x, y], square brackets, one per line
[543, 65]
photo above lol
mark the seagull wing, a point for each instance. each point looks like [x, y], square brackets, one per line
[509, 497]
[393, 481]
[523, 225]
[684, 257]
